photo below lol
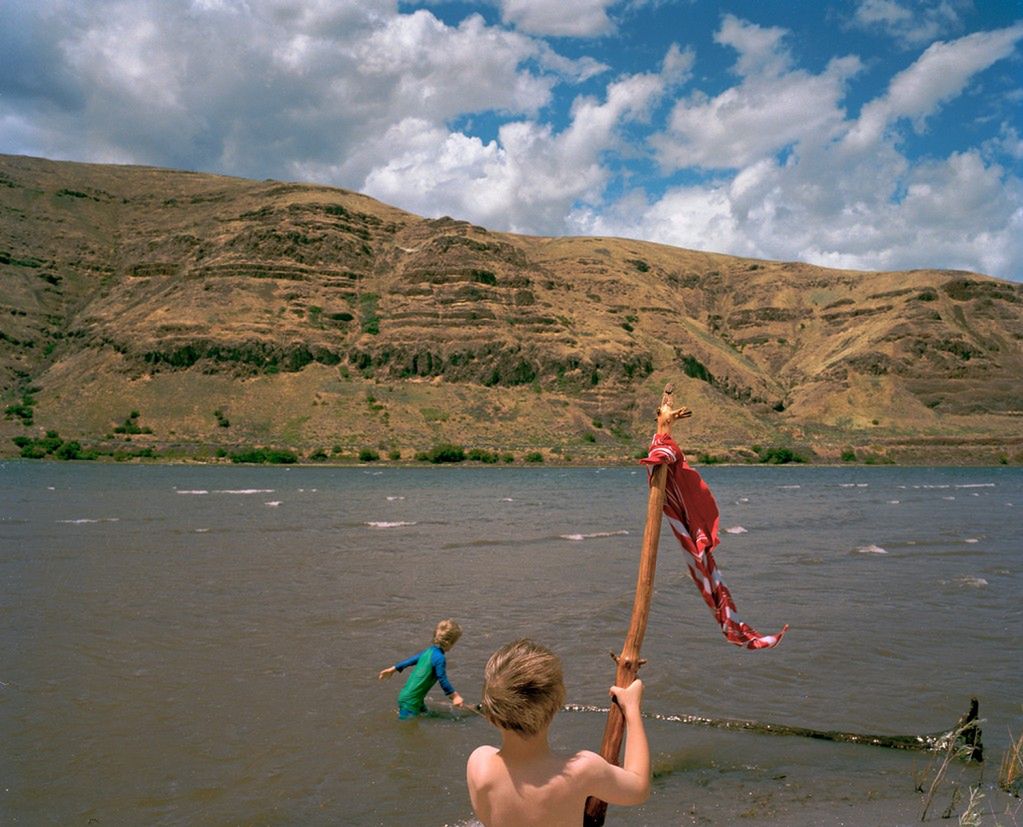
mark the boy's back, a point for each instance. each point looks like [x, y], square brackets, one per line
[525, 783]
[549, 791]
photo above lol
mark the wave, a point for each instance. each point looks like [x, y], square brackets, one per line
[970, 581]
[84, 520]
[592, 536]
[735, 529]
[976, 485]
[225, 491]
[871, 549]
[273, 503]
[385, 524]
[394, 497]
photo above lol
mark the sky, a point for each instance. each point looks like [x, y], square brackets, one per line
[862, 134]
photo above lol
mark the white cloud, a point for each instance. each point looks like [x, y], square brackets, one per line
[774, 105]
[524, 181]
[843, 195]
[911, 22]
[265, 87]
[692, 217]
[470, 119]
[940, 74]
[760, 48]
[580, 18]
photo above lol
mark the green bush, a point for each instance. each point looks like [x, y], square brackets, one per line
[533, 456]
[444, 452]
[694, 368]
[264, 455]
[848, 455]
[481, 455]
[368, 455]
[394, 455]
[69, 450]
[780, 456]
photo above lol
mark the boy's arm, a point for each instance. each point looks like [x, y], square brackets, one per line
[404, 664]
[629, 783]
[440, 669]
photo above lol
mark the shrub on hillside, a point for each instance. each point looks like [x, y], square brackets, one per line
[264, 455]
[444, 452]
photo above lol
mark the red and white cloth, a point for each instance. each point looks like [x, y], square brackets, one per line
[692, 514]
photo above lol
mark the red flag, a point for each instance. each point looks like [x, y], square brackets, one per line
[692, 514]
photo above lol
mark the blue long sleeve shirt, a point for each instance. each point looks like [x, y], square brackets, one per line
[430, 668]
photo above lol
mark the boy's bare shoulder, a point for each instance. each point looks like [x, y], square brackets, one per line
[481, 763]
[587, 766]
[483, 752]
[586, 758]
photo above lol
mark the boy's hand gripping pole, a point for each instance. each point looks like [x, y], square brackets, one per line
[629, 661]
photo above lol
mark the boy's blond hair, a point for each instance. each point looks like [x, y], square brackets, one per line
[522, 687]
[446, 634]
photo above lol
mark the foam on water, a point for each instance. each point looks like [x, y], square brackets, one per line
[735, 529]
[84, 520]
[594, 535]
[871, 549]
[386, 524]
[225, 491]
[971, 582]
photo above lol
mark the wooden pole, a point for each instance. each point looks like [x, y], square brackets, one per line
[629, 661]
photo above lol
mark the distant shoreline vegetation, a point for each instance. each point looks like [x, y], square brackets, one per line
[53, 447]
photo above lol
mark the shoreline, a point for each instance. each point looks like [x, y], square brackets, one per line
[396, 464]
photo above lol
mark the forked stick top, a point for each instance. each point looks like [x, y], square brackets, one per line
[666, 414]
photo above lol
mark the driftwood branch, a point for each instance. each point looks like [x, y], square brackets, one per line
[629, 661]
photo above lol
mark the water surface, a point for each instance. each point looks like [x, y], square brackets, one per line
[197, 644]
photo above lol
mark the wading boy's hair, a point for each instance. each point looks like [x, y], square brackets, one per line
[522, 687]
[446, 634]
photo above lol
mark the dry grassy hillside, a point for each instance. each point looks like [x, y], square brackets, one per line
[227, 314]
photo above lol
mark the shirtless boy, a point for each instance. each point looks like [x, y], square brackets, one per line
[524, 782]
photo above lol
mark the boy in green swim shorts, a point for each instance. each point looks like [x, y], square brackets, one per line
[430, 668]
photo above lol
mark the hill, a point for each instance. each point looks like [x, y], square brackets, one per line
[189, 313]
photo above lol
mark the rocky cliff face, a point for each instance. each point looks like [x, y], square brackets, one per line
[124, 286]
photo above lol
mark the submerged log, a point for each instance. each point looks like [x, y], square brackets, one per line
[964, 738]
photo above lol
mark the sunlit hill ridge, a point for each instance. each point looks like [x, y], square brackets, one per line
[185, 315]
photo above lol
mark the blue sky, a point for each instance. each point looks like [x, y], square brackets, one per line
[865, 134]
